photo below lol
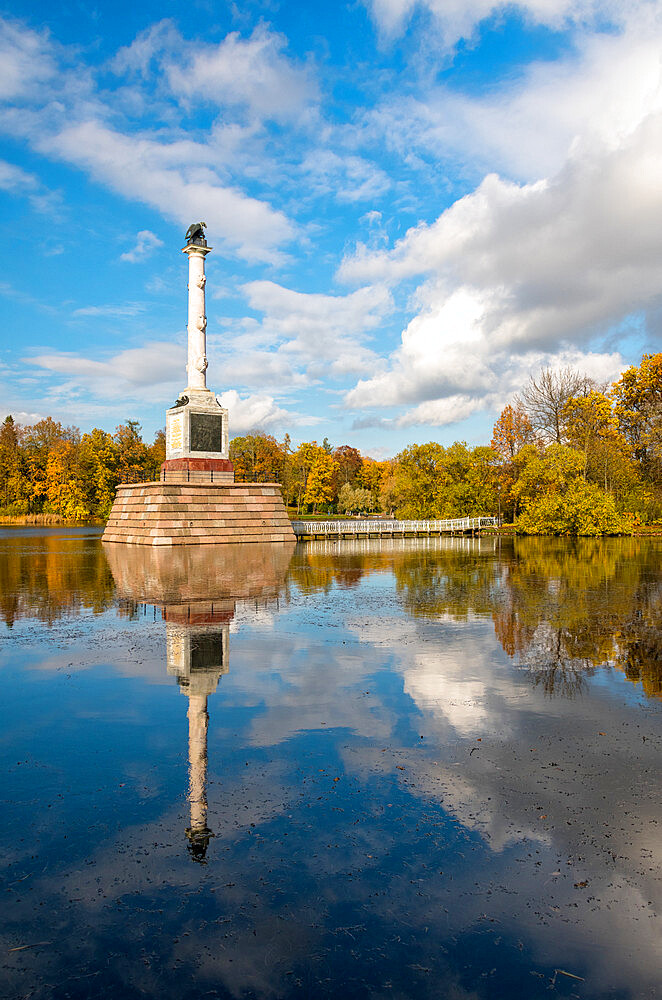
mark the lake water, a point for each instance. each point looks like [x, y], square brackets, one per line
[396, 769]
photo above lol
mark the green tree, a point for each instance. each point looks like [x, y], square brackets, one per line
[99, 464]
[430, 481]
[14, 485]
[473, 477]
[355, 499]
[418, 486]
[133, 458]
[580, 509]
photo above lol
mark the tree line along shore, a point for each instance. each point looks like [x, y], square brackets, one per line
[567, 456]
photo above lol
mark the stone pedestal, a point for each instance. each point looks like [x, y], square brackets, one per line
[197, 440]
[166, 513]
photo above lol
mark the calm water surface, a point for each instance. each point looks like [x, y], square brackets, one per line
[359, 769]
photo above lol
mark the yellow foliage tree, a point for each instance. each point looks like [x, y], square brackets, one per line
[64, 489]
[511, 432]
[320, 483]
[99, 460]
[638, 396]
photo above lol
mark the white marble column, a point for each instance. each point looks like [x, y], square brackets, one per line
[196, 365]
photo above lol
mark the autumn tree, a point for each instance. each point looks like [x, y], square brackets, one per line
[592, 428]
[320, 483]
[372, 476]
[638, 397]
[156, 454]
[556, 499]
[546, 472]
[544, 397]
[99, 463]
[14, 486]
[258, 458]
[349, 462]
[511, 432]
[589, 422]
[580, 509]
[39, 439]
[299, 465]
[65, 488]
[132, 452]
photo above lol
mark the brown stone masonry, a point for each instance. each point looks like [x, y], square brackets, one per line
[161, 513]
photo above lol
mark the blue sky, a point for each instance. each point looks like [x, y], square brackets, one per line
[413, 204]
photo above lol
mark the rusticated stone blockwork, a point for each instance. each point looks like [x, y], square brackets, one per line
[198, 513]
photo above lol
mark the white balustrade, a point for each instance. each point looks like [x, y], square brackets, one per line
[379, 527]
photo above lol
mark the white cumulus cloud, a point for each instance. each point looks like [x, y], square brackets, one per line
[253, 72]
[258, 411]
[175, 178]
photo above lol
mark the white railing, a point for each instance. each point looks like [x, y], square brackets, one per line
[381, 527]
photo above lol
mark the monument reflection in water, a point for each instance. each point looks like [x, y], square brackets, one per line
[197, 588]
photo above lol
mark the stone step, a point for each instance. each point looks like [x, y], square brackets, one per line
[184, 514]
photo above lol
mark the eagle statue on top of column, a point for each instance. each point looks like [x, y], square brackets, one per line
[196, 234]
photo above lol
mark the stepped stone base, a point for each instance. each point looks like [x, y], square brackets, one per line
[161, 513]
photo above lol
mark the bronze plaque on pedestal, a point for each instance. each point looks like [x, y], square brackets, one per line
[207, 652]
[206, 432]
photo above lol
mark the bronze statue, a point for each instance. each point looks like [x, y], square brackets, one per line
[196, 233]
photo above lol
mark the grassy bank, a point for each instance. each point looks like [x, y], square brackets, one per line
[44, 520]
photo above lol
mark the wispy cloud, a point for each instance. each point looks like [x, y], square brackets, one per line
[174, 178]
[145, 243]
[156, 364]
[26, 60]
[112, 311]
[453, 20]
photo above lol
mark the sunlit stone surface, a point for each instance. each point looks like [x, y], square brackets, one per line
[411, 769]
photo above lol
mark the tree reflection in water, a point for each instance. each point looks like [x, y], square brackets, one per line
[55, 574]
[560, 607]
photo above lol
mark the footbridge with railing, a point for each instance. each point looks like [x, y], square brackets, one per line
[379, 528]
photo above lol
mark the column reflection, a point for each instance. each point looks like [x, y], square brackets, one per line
[197, 588]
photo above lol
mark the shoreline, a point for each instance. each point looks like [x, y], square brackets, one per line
[506, 530]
